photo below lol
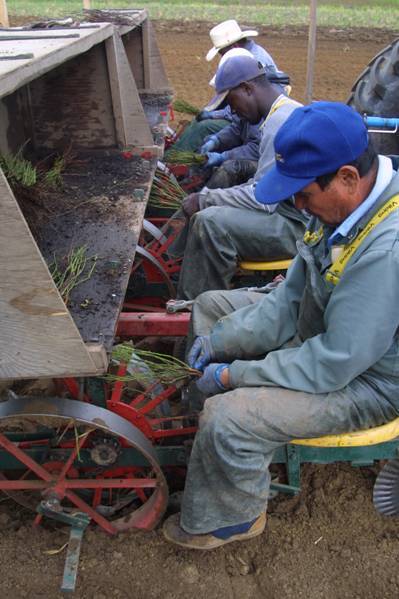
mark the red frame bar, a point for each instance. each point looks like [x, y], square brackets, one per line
[143, 324]
[77, 483]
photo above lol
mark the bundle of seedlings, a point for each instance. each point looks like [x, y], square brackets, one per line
[145, 366]
[165, 191]
[73, 270]
[52, 178]
[18, 171]
[185, 157]
[30, 181]
[185, 107]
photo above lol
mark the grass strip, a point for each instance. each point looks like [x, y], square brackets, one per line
[275, 13]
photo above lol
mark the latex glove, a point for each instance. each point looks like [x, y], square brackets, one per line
[201, 352]
[190, 204]
[210, 383]
[215, 158]
[203, 115]
[211, 143]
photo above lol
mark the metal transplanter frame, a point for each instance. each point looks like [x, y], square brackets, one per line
[101, 452]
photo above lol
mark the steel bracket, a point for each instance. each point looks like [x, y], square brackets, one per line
[78, 521]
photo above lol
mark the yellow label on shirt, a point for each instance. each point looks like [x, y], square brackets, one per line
[335, 271]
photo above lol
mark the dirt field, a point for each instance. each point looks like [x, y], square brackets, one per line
[326, 544]
[340, 58]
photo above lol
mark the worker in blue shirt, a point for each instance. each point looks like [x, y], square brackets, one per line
[235, 147]
[226, 225]
[216, 131]
[319, 354]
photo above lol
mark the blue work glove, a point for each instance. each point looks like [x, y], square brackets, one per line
[201, 352]
[203, 115]
[215, 158]
[210, 383]
[211, 143]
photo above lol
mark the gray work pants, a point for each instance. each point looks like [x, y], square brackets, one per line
[228, 480]
[219, 237]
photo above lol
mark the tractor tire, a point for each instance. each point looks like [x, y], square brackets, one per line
[376, 93]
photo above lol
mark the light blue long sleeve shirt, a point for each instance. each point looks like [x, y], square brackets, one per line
[355, 323]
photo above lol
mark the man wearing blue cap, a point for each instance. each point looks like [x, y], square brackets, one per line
[319, 354]
[244, 229]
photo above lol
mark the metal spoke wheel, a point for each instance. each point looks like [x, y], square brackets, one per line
[80, 457]
[386, 490]
[154, 272]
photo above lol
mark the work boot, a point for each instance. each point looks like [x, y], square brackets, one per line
[174, 533]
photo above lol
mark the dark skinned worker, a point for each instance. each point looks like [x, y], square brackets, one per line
[232, 153]
[226, 225]
[225, 36]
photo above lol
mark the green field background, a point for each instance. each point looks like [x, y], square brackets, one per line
[339, 14]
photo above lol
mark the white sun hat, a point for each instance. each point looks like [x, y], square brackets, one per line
[230, 54]
[226, 33]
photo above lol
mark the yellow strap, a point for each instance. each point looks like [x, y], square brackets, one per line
[275, 107]
[334, 273]
[311, 237]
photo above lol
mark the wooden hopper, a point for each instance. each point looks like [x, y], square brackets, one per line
[95, 90]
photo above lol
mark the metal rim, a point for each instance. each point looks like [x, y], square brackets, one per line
[386, 489]
[154, 231]
[148, 256]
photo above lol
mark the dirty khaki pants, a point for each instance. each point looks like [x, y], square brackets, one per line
[216, 238]
[228, 479]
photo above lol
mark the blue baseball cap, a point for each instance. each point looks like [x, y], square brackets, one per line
[231, 73]
[315, 140]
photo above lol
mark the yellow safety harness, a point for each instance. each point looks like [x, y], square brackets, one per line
[334, 273]
[313, 236]
[276, 106]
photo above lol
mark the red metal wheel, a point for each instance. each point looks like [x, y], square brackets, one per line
[120, 484]
[152, 283]
[141, 410]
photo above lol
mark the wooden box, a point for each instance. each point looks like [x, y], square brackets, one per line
[93, 92]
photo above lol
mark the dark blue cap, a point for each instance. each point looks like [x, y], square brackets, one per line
[231, 73]
[315, 140]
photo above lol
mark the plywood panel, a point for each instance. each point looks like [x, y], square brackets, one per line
[158, 78]
[72, 104]
[147, 70]
[145, 58]
[38, 337]
[133, 42]
[131, 122]
[47, 53]
[16, 123]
